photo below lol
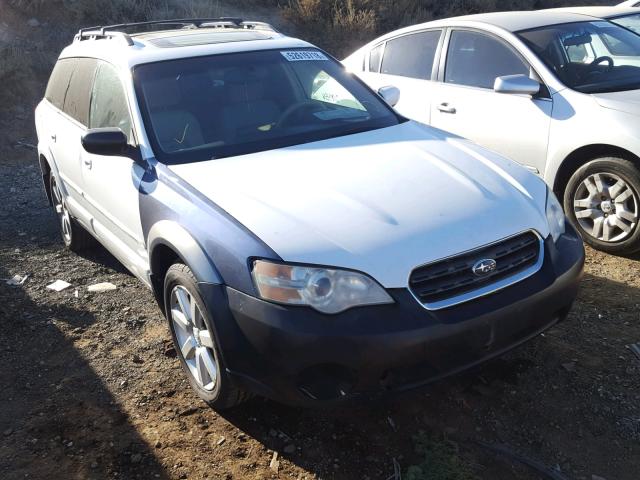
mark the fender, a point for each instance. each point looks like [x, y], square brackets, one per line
[171, 234]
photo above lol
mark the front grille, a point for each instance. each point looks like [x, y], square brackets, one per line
[454, 276]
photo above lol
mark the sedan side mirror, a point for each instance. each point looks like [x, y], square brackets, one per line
[390, 94]
[105, 141]
[516, 84]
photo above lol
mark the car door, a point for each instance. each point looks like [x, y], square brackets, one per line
[465, 103]
[407, 62]
[112, 182]
[62, 132]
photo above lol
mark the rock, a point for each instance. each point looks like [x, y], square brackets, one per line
[102, 287]
[7, 432]
[221, 441]
[136, 458]
[289, 449]
[158, 444]
[275, 463]
[94, 465]
[569, 366]
[33, 22]
[188, 411]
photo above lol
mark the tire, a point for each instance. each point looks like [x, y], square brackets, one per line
[602, 200]
[195, 340]
[74, 236]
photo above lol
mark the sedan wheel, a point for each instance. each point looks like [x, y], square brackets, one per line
[194, 339]
[605, 205]
[602, 201]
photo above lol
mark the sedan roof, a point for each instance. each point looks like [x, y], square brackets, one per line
[525, 20]
[599, 12]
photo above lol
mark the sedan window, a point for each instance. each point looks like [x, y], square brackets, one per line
[411, 55]
[476, 60]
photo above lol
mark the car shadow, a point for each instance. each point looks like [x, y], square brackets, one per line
[58, 419]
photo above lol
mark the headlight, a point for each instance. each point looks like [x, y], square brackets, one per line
[555, 216]
[325, 289]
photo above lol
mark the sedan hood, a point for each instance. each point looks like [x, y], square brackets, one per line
[628, 102]
[380, 202]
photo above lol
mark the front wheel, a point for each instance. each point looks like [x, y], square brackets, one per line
[195, 340]
[602, 201]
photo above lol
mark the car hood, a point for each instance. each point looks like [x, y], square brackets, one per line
[628, 101]
[380, 202]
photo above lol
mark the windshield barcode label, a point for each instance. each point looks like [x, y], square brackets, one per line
[303, 55]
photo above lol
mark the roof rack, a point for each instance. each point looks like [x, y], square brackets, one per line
[116, 31]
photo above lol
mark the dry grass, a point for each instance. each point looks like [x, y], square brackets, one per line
[340, 26]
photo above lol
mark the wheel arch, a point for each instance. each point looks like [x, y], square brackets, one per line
[585, 154]
[169, 243]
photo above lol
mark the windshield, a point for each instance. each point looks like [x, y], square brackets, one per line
[589, 57]
[218, 106]
[632, 22]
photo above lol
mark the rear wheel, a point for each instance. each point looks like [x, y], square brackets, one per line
[74, 236]
[602, 201]
[195, 340]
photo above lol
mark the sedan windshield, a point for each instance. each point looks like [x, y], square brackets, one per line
[632, 22]
[590, 57]
[224, 105]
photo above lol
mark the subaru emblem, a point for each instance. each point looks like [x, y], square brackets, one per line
[484, 267]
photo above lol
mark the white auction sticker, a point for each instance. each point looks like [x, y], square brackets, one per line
[302, 55]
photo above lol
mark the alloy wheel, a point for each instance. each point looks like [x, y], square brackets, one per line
[61, 211]
[194, 339]
[606, 207]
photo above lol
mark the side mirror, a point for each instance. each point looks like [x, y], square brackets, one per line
[105, 141]
[390, 94]
[516, 84]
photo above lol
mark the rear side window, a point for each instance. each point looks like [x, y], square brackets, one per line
[374, 58]
[109, 102]
[76, 103]
[476, 60]
[411, 55]
[59, 82]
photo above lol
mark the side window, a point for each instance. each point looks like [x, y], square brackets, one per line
[109, 102]
[476, 60]
[59, 82]
[374, 58]
[411, 55]
[76, 103]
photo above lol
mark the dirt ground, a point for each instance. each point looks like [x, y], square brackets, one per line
[89, 390]
[89, 387]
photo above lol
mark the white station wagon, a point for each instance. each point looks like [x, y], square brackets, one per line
[557, 91]
[304, 241]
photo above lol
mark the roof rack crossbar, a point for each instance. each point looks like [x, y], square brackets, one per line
[110, 31]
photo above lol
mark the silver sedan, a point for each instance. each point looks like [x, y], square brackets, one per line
[557, 91]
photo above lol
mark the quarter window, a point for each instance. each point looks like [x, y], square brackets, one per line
[374, 58]
[59, 82]
[109, 102]
[411, 55]
[476, 60]
[76, 103]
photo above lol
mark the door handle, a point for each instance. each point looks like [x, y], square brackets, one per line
[446, 108]
[88, 163]
[54, 137]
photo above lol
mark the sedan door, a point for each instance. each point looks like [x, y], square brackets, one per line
[408, 63]
[465, 103]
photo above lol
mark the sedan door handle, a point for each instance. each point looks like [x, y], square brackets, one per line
[54, 137]
[446, 108]
[88, 163]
